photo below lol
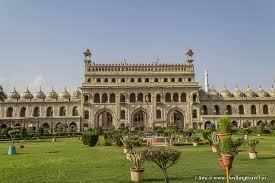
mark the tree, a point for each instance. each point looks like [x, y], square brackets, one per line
[162, 156]
[3, 96]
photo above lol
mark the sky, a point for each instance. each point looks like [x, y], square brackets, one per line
[41, 42]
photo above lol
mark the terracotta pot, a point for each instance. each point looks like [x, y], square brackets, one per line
[126, 150]
[195, 144]
[214, 149]
[221, 136]
[228, 160]
[252, 155]
[222, 166]
[136, 174]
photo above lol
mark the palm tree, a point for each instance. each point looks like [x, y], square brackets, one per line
[2, 94]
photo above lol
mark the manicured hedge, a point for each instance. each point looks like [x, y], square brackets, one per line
[90, 138]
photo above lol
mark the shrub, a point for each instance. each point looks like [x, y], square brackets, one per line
[246, 124]
[23, 133]
[230, 146]
[164, 158]
[137, 159]
[90, 138]
[252, 144]
[225, 125]
[40, 131]
[7, 132]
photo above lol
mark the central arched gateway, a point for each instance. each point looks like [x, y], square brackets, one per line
[104, 119]
[139, 119]
[175, 119]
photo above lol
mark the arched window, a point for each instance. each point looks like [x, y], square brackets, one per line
[132, 97]
[148, 97]
[216, 110]
[98, 80]
[146, 80]
[204, 110]
[183, 97]
[253, 109]
[175, 97]
[75, 111]
[158, 114]
[122, 114]
[228, 110]
[180, 79]
[122, 80]
[45, 125]
[140, 97]
[189, 79]
[86, 98]
[86, 114]
[168, 97]
[158, 98]
[49, 112]
[122, 99]
[132, 80]
[139, 80]
[112, 98]
[241, 109]
[106, 80]
[265, 109]
[89, 80]
[23, 112]
[9, 112]
[173, 80]
[113, 80]
[194, 97]
[104, 98]
[97, 98]
[165, 80]
[194, 113]
[62, 111]
[156, 80]
[36, 112]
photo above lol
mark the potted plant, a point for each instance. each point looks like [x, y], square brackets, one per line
[252, 148]
[136, 170]
[224, 128]
[195, 140]
[127, 144]
[12, 149]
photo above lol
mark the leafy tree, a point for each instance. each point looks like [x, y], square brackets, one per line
[3, 96]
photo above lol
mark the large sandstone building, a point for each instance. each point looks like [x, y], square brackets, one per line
[138, 96]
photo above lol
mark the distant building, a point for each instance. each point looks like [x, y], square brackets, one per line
[138, 96]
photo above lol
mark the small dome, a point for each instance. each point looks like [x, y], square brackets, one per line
[238, 93]
[249, 93]
[77, 94]
[65, 94]
[272, 92]
[226, 93]
[262, 93]
[40, 94]
[14, 94]
[214, 92]
[27, 94]
[52, 95]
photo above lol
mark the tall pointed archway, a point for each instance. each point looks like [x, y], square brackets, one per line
[104, 120]
[139, 119]
[175, 119]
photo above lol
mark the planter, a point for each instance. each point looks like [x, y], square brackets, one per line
[126, 150]
[252, 155]
[228, 160]
[195, 144]
[221, 136]
[214, 149]
[12, 150]
[222, 166]
[136, 174]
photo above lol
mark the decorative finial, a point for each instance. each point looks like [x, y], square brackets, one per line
[190, 53]
[87, 54]
[40, 88]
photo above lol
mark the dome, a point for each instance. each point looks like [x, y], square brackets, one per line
[249, 93]
[27, 94]
[262, 93]
[213, 92]
[52, 95]
[14, 94]
[238, 93]
[65, 94]
[40, 94]
[272, 92]
[76, 94]
[226, 93]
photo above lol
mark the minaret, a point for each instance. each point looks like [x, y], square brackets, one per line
[87, 57]
[206, 84]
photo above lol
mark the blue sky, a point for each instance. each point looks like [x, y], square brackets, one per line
[41, 42]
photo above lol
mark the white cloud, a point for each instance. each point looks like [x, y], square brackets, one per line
[37, 82]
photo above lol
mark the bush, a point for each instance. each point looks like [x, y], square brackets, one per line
[90, 138]
[40, 131]
[225, 125]
[23, 133]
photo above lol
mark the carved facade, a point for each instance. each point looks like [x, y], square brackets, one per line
[139, 96]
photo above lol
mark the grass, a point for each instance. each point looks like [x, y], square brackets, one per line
[69, 161]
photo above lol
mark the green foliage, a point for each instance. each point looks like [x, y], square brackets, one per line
[247, 124]
[12, 134]
[3, 96]
[211, 137]
[130, 141]
[7, 132]
[252, 144]
[23, 133]
[225, 125]
[230, 146]
[40, 131]
[195, 137]
[90, 138]
[163, 157]
[137, 159]
[261, 127]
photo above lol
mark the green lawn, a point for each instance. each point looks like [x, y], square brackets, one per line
[69, 161]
